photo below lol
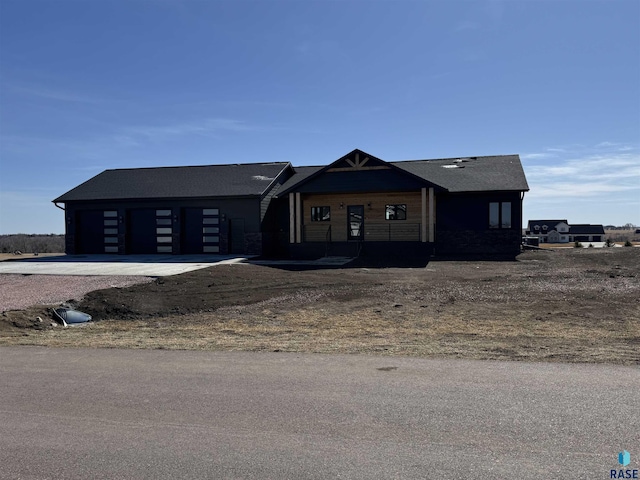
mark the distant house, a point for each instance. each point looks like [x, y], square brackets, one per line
[358, 203]
[586, 233]
[549, 231]
[560, 231]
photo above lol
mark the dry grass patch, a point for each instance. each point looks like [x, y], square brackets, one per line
[578, 305]
[363, 331]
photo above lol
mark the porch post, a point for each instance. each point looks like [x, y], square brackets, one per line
[292, 218]
[432, 215]
[423, 233]
[298, 218]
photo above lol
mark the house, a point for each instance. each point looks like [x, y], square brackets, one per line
[178, 210]
[358, 203]
[559, 231]
[586, 233]
[549, 231]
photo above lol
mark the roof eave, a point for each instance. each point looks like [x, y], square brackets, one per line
[137, 199]
[393, 167]
[271, 184]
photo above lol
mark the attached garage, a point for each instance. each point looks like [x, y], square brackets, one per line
[200, 230]
[215, 209]
[141, 225]
[90, 233]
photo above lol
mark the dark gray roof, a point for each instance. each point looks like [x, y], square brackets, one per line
[585, 229]
[551, 224]
[475, 174]
[470, 174]
[178, 182]
[301, 173]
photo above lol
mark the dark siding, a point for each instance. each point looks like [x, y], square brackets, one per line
[141, 231]
[90, 231]
[275, 187]
[462, 225]
[471, 211]
[276, 229]
[191, 232]
[237, 236]
[142, 239]
[274, 215]
[361, 181]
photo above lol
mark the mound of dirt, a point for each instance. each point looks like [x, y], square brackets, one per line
[209, 289]
[32, 318]
[562, 305]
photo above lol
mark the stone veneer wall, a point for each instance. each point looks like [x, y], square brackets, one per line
[70, 244]
[224, 237]
[474, 242]
[253, 243]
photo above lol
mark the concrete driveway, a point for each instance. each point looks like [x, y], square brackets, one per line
[145, 265]
[120, 414]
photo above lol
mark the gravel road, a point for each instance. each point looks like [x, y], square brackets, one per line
[22, 291]
[156, 414]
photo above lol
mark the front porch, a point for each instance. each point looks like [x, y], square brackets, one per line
[398, 250]
[350, 221]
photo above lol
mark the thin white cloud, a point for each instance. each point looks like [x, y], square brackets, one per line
[535, 156]
[53, 94]
[206, 127]
[579, 190]
[603, 171]
[11, 199]
[125, 141]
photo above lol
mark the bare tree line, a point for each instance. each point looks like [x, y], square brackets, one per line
[34, 243]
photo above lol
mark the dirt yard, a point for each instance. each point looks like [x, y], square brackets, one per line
[575, 305]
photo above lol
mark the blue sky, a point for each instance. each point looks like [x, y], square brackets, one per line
[91, 85]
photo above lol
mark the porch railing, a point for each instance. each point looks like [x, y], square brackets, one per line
[389, 232]
[317, 233]
[392, 232]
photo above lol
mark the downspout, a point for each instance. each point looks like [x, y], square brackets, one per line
[66, 227]
[521, 210]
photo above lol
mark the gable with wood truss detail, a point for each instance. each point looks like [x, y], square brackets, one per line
[357, 160]
[363, 187]
[359, 171]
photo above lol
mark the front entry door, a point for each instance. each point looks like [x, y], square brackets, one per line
[355, 222]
